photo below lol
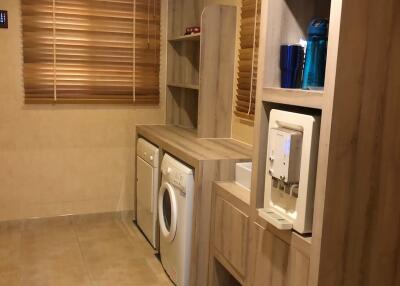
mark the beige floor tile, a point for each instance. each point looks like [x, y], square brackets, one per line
[53, 265]
[123, 273]
[60, 276]
[113, 249]
[10, 260]
[94, 250]
[35, 256]
[48, 232]
[10, 243]
[98, 228]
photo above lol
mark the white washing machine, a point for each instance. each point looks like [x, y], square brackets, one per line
[147, 181]
[175, 209]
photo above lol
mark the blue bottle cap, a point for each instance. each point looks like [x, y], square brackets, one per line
[318, 27]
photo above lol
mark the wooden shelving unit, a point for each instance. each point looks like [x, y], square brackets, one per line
[200, 68]
[284, 21]
[194, 38]
[294, 97]
[200, 76]
[351, 243]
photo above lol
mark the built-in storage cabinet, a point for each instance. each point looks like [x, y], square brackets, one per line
[231, 236]
[278, 261]
[230, 232]
[200, 67]
[278, 258]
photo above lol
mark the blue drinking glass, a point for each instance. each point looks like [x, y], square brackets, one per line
[291, 63]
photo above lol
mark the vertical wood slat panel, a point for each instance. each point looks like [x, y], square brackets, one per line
[91, 57]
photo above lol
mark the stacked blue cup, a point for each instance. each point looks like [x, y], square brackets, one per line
[291, 63]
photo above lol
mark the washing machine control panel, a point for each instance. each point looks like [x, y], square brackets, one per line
[176, 178]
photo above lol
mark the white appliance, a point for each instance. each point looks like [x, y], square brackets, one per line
[147, 182]
[291, 170]
[175, 209]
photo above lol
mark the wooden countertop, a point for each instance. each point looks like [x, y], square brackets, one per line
[236, 191]
[185, 144]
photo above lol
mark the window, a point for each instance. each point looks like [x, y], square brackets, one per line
[248, 55]
[91, 51]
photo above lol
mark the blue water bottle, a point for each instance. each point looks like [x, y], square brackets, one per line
[317, 43]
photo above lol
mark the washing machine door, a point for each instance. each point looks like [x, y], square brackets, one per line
[167, 211]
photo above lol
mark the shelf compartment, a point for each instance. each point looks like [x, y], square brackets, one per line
[184, 85]
[295, 97]
[192, 38]
[287, 23]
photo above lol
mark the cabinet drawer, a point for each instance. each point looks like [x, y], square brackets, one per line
[231, 234]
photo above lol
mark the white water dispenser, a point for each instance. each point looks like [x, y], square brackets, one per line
[291, 170]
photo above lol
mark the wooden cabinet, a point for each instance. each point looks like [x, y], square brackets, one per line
[231, 236]
[230, 233]
[279, 262]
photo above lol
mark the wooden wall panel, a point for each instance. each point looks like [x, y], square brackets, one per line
[217, 71]
[361, 224]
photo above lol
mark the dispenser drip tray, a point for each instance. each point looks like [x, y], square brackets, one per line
[271, 216]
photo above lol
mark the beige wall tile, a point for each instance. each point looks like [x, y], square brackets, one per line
[66, 159]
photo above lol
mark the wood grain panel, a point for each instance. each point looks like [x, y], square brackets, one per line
[361, 215]
[271, 259]
[206, 174]
[231, 234]
[277, 262]
[217, 71]
[185, 144]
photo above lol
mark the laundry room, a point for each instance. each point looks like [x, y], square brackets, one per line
[199, 142]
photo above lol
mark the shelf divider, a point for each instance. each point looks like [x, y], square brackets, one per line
[184, 85]
[295, 97]
[192, 38]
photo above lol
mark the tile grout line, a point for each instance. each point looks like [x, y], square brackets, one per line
[20, 267]
[73, 220]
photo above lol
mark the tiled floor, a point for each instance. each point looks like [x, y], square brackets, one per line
[97, 250]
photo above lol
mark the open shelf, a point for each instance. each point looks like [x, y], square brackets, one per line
[193, 38]
[295, 97]
[288, 22]
[184, 85]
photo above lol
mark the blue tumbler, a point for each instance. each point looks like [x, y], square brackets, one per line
[317, 42]
[291, 63]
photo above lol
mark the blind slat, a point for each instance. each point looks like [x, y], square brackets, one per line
[90, 50]
[248, 55]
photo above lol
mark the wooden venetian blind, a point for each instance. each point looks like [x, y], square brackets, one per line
[248, 55]
[100, 51]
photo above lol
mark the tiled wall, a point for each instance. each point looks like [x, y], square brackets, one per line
[58, 160]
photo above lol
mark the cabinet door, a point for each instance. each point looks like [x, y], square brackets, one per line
[145, 204]
[231, 234]
[277, 262]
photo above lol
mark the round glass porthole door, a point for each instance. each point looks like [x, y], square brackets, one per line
[167, 211]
